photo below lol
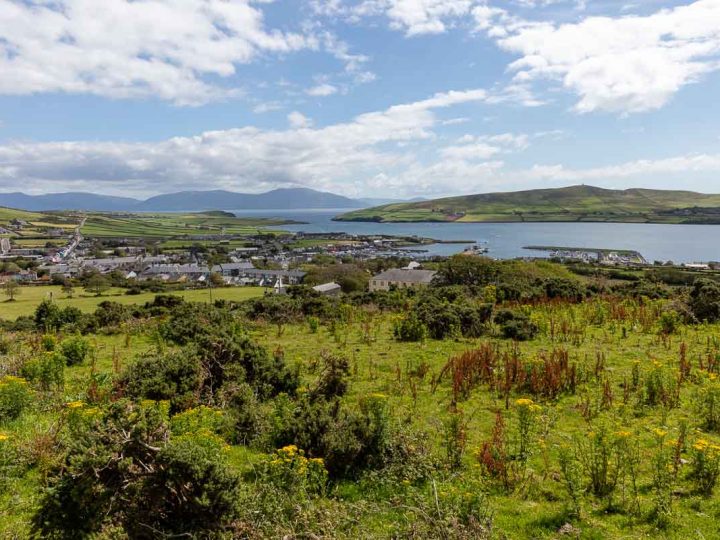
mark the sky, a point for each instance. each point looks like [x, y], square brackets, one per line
[364, 98]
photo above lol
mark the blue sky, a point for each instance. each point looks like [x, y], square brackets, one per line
[377, 98]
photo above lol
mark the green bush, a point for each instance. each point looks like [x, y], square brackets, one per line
[46, 370]
[174, 376]
[122, 470]
[705, 300]
[15, 397]
[75, 350]
[409, 328]
[516, 325]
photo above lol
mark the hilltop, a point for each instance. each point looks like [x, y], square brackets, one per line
[575, 203]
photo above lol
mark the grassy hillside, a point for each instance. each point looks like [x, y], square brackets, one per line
[37, 222]
[170, 225]
[576, 203]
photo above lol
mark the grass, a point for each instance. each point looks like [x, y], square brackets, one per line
[626, 333]
[173, 225]
[30, 297]
[577, 203]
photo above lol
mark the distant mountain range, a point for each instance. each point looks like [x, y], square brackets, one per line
[568, 204]
[278, 199]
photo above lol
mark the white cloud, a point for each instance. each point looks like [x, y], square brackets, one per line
[298, 120]
[267, 106]
[643, 168]
[478, 148]
[322, 90]
[136, 48]
[339, 157]
[625, 64]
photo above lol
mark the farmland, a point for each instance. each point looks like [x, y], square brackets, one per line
[29, 298]
[570, 204]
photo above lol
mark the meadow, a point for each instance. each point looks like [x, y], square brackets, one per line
[162, 225]
[29, 298]
[599, 418]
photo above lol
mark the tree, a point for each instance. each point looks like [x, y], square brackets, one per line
[68, 289]
[97, 284]
[11, 289]
[216, 280]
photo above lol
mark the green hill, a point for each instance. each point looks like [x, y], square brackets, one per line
[576, 203]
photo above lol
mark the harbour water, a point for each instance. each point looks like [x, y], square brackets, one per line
[678, 243]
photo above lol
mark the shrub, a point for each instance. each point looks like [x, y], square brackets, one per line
[229, 356]
[707, 405]
[50, 317]
[15, 396]
[410, 328]
[46, 370]
[200, 419]
[517, 326]
[350, 441]
[289, 469]
[669, 322]
[174, 376]
[109, 314]
[189, 320]
[705, 466]
[122, 470]
[705, 300]
[74, 349]
[569, 289]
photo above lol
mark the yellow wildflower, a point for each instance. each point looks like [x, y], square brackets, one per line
[524, 402]
[659, 432]
[75, 405]
[4, 437]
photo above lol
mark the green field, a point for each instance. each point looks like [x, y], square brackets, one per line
[38, 222]
[537, 506]
[158, 225]
[577, 203]
[30, 297]
[513, 400]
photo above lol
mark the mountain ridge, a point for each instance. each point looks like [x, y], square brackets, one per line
[567, 204]
[277, 199]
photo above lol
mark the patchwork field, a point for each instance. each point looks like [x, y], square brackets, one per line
[30, 297]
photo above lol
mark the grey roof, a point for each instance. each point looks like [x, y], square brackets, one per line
[327, 287]
[112, 261]
[176, 269]
[274, 273]
[404, 275]
[226, 267]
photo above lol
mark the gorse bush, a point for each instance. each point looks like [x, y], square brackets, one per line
[410, 328]
[50, 317]
[515, 325]
[289, 469]
[705, 300]
[15, 397]
[173, 376]
[209, 370]
[46, 370]
[122, 469]
[75, 350]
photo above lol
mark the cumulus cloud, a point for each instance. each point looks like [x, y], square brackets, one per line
[174, 50]
[338, 157]
[322, 90]
[625, 64]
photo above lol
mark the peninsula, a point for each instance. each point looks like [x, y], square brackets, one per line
[569, 204]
